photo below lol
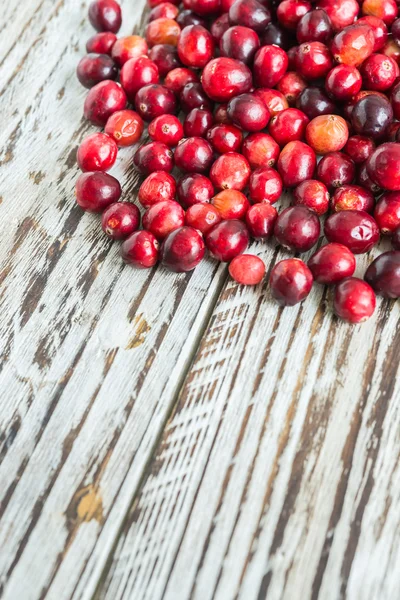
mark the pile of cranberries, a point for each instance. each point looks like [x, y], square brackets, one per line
[246, 98]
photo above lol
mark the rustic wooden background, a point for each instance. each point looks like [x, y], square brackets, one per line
[170, 436]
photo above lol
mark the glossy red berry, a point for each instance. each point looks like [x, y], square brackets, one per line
[136, 73]
[353, 45]
[202, 217]
[97, 152]
[194, 188]
[120, 220]
[313, 102]
[162, 218]
[125, 127]
[379, 29]
[297, 228]
[182, 250]
[194, 155]
[290, 12]
[265, 185]
[379, 72]
[125, 48]
[105, 15]
[352, 197]
[340, 12]
[296, 163]
[104, 99]
[176, 79]
[231, 204]
[359, 148]
[227, 240]
[332, 263]
[162, 31]
[270, 65]
[240, 43]
[366, 182]
[223, 78]
[386, 10]
[94, 191]
[314, 26]
[230, 171]
[94, 68]
[291, 86]
[164, 10]
[260, 150]
[290, 281]
[249, 13]
[166, 129]
[195, 46]
[355, 229]
[260, 220]
[193, 96]
[354, 300]
[247, 269]
[225, 138]
[248, 112]
[154, 100]
[383, 275]
[336, 169]
[165, 56]
[218, 28]
[383, 166]
[314, 195]
[158, 186]
[197, 122]
[313, 60]
[154, 156]
[204, 8]
[343, 82]
[387, 212]
[274, 100]
[101, 43]
[140, 250]
[327, 133]
[288, 125]
[188, 17]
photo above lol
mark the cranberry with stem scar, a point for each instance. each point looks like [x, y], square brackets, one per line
[182, 250]
[154, 100]
[202, 217]
[140, 250]
[154, 156]
[336, 169]
[354, 300]
[166, 129]
[291, 86]
[162, 218]
[355, 229]
[327, 133]
[225, 138]
[104, 99]
[313, 60]
[343, 82]
[194, 155]
[260, 150]
[194, 188]
[332, 263]
[265, 185]
[219, 26]
[125, 127]
[97, 152]
[314, 195]
[193, 96]
[290, 281]
[260, 220]
[94, 191]
[247, 269]
[297, 228]
[352, 197]
[227, 240]
[120, 220]
[230, 171]
[158, 186]
[231, 204]
[296, 163]
[353, 45]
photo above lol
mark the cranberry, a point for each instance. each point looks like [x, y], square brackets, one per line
[260, 220]
[332, 263]
[249, 13]
[136, 73]
[165, 57]
[291, 86]
[197, 122]
[94, 68]
[265, 185]
[352, 197]
[195, 46]
[343, 82]
[194, 155]
[387, 10]
[247, 269]
[355, 229]
[154, 100]
[290, 281]
[392, 49]
[102, 101]
[105, 15]
[162, 31]
[182, 250]
[176, 79]
[193, 96]
[359, 148]
[314, 26]
[313, 60]
[340, 12]
[336, 169]
[227, 240]
[125, 127]
[314, 195]
[394, 30]
[353, 45]
[296, 163]
[153, 3]
[392, 132]
[297, 228]
[240, 43]
[187, 17]
[202, 217]
[395, 100]
[313, 102]
[379, 28]
[396, 239]
[154, 156]
[354, 300]
[203, 7]
[158, 186]
[97, 152]
[230, 171]
[327, 133]
[225, 138]
[132, 46]
[120, 220]
[387, 212]
[223, 78]
[231, 204]
[383, 275]
[162, 218]
[288, 125]
[290, 12]
[95, 191]
[291, 53]
[221, 115]
[166, 129]
[270, 65]
[261, 150]
[249, 112]
[366, 182]
[274, 35]
[164, 10]
[274, 100]
[383, 166]
[379, 72]
[101, 43]
[194, 188]
[140, 250]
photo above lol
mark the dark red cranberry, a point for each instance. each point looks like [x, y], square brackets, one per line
[261, 150]
[296, 163]
[260, 220]
[125, 48]
[194, 188]
[291, 86]
[154, 156]
[223, 78]
[270, 65]
[193, 96]
[313, 102]
[188, 17]
[290, 12]
[225, 138]
[395, 239]
[379, 72]
[353, 45]
[274, 35]
[248, 112]
[105, 15]
[158, 186]
[387, 212]
[383, 275]
[379, 28]
[136, 73]
[313, 60]
[394, 30]
[95, 191]
[120, 220]
[265, 185]
[165, 57]
[162, 218]
[219, 26]
[292, 57]
[352, 197]
[247, 269]
[202, 217]
[366, 182]
[166, 129]
[383, 166]
[97, 152]
[392, 132]
[297, 228]
[336, 169]
[343, 82]
[102, 101]
[314, 195]
[327, 133]
[290, 281]
[288, 125]
[162, 31]
[182, 250]
[221, 115]
[395, 100]
[194, 155]
[314, 26]
[204, 8]
[239, 42]
[340, 12]
[197, 122]
[354, 300]
[249, 13]
[101, 43]
[231, 204]
[355, 229]
[176, 79]
[140, 250]
[195, 46]
[165, 10]
[359, 148]
[230, 171]
[154, 100]
[387, 10]
[332, 263]
[94, 68]
[227, 240]
[125, 127]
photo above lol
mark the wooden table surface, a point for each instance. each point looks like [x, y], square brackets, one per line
[169, 436]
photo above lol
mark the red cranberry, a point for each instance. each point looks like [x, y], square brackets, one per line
[154, 156]
[198, 122]
[352, 197]
[313, 60]
[394, 30]
[260, 220]
[392, 132]
[292, 57]
[95, 191]
[355, 229]
[202, 217]
[247, 269]
[221, 115]
[156, 187]
[182, 250]
[203, 7]
[102, 101]
[225, 138]
[187, 17]
[396, 239]
[223, 78]
[165, 57]
[240, 43]
[290, 12]
[125, 127]
[288, 125]
[97, 152]
[162, 31]
[231, 204]
[154, 100]
[366, 182]
[162, 218]
[120, 220]
[290, 281]
[194, 188]
[314, 26]
[353, 45]
[387, 10]
[383, 275]
[260, 150]
[166, 129]
[105, 15]
[249, 13]
[297, 228]
[194, 155]
[332, 263]
[248, 112]
[227, 240]
[296, 163]
[132, 46]
[314, 195]
[195, 46]
[136, 73]
[340, 12]
[395, 100]
[193, 96]
[94, 68]
[140, 250]
[359, 148]
[379, 72]
[343, 82]
[274, 35]
[379, 28]
[219, 26]
[383, 166]
[164, 10]
[101, 43]
[327, 133]
[176, 79]
[387, 212]
[336, 169]
[372, 116]
[230, 171]
[265, 185]
[291, 86]
[354, 300]
[313, 102]
[274, 100]
[270, 65]
[153, 3]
